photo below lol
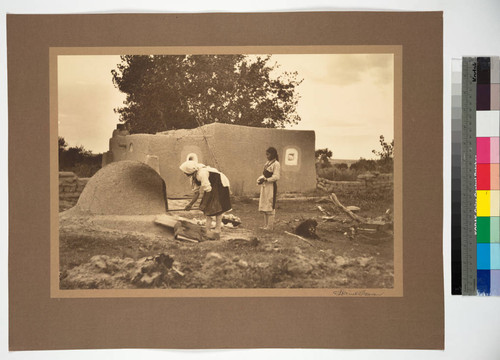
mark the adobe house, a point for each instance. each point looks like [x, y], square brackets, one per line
[237, 151]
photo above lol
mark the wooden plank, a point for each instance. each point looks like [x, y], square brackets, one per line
[168, 221]
[181, 226]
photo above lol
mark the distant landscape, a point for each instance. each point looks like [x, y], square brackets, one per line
[343, 161]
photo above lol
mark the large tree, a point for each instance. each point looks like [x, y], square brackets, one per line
[165, 92]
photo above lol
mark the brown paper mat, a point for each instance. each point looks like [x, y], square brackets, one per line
[39, 321]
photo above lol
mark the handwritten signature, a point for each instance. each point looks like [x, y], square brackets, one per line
[356, 293]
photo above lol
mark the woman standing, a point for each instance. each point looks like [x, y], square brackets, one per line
[269, 188]
[213, 186]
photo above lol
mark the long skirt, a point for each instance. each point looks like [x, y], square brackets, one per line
[217, 201]
[267, 200]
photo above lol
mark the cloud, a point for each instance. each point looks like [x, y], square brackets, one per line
[348, 69]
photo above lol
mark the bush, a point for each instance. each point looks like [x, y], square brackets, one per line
[385, 166]
[363, 165]
[335, 174]
[345, 175]
[78, 160]
[83, 170]
[326, 173]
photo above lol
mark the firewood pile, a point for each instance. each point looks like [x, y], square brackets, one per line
[357, 223]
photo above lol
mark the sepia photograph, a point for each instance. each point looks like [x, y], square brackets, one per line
[209, 173]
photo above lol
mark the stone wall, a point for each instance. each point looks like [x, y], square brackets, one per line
[70, 185]
[370, 182]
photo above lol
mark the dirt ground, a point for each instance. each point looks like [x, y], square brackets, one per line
[133, 252]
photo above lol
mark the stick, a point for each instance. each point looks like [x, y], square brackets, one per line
[183, 238]
[178, 271]
[169, 210]
[336, 201]
[323, 210]
[300, 237]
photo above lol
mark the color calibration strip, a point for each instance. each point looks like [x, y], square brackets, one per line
[476, 232]
[488, 175]
[456, 177]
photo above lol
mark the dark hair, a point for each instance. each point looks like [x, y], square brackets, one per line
[273, 152]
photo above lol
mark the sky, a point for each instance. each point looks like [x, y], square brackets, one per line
[347, 99]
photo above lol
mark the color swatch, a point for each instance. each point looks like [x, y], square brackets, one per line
[487, 170]
[476, 176]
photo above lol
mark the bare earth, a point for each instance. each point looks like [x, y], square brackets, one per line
[109, 252]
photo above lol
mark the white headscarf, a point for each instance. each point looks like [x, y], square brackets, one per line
[189, 167]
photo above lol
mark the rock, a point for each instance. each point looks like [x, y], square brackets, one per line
[340, 261]
[353, 208]
[363, 261]
[99, 263]
[242, 264]
[150, 279]
[268, 247]
[236, 259]
[214, 258]
[128, 263]
[297, 250]
[229, 268]
[299, 265]
[254, 241]
[351, 273]
[329, 252]
[342, 280]
[263, 265]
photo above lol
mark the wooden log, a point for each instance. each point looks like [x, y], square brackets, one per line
[300, 237]
[336, 201]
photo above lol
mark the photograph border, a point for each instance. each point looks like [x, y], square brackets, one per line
[395, 291]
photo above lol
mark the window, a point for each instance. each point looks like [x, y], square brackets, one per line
[291, 157]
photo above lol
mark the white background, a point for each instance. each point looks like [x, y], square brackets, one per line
[470, 28]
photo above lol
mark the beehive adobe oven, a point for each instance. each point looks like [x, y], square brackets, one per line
[124, 188]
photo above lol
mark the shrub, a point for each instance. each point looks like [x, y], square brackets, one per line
[363, 165]
[334, 174]
[326, 173]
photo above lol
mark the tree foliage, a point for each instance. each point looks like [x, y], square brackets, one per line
[387, 150]
[165, 92]
[323, 156]
[77, 159]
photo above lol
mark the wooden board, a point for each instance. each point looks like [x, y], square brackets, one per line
[181, 226]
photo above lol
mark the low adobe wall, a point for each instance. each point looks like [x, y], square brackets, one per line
[70, 185]
[382, 182]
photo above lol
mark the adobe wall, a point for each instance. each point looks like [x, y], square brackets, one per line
[239, 150]
[243, 160]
